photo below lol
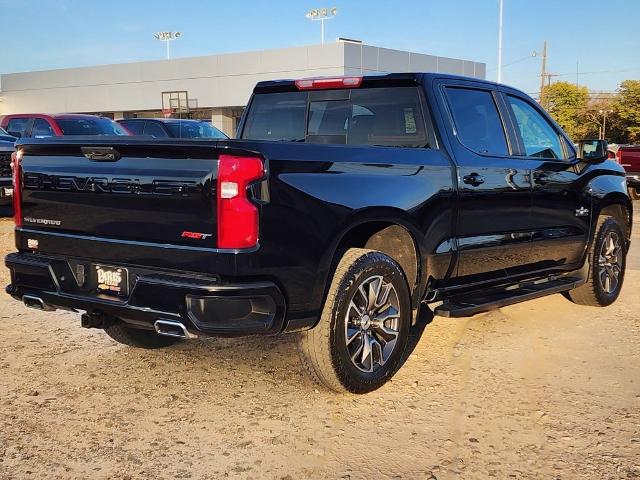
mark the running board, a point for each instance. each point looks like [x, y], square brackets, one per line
[472, 303]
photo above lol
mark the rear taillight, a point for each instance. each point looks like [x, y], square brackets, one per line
[16, 168]
[619, 156]
[328, 82]
[237, 215]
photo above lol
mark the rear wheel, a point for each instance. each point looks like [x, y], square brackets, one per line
[135, 337]
[362, 334]
[607, 255]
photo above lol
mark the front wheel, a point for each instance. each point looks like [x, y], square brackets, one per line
[607, 255]
[360, 339]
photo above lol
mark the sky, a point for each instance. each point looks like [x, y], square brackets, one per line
[597, 39]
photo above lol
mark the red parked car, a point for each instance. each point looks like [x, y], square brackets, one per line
[629, 157]
[38, 125]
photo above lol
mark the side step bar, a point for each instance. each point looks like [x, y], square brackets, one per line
[469, 304]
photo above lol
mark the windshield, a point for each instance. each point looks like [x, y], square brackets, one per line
[90, 126]
[190, 129]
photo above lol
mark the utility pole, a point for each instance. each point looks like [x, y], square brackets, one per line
[603, 128]
[500, 45]
[543, 73]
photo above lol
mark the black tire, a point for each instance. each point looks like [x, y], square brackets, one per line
[634, 193]
[325, 351]
[134, 337]
[594, 293]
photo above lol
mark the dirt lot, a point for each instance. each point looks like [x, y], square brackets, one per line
[543, 389]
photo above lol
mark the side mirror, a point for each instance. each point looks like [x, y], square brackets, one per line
[593, 151]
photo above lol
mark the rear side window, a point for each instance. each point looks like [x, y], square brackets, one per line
[134, 127]
[277, 116]
[373, 116]
[41, 129]
[155, 130]
[18, 126]
[539, 138]
[89, 126]
[477, 121]
[193, 129]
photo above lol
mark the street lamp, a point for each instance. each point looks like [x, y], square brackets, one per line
[500, 45]
[167, 37]
[322, 14]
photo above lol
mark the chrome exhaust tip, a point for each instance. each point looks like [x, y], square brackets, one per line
[36, 303]
[170, 328]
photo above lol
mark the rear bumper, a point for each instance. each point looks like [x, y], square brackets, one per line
[633, 180]
[203, 304]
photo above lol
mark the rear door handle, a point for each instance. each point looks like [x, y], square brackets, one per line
[474, 179]
[541, 178]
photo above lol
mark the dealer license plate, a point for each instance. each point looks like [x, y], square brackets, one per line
[112, 280]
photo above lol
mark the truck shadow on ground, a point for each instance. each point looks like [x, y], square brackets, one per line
[257, 359]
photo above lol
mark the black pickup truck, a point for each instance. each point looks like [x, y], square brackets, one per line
[346, 205]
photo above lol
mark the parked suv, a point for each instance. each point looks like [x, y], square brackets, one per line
[172, 128]
[346, 206]
[27, 125]
[6, 185]
[5, 137]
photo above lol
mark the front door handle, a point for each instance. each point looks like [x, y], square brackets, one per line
[474, 179]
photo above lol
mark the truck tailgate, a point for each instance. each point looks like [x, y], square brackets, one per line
[128, 190]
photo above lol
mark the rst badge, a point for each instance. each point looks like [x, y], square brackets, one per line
[196, 235]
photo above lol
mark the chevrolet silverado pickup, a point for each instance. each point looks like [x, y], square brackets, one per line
[345, 206]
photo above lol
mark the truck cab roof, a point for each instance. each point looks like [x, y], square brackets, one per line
[371, 80]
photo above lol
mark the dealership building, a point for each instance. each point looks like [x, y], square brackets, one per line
[212, 87]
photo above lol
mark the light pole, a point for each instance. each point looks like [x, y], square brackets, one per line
[167, 37]
[500, 45]
[322, 14]
[603, 130]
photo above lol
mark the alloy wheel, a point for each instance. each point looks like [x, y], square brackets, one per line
[372, 324]
[610, 262]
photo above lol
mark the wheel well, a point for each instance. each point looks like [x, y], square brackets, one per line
[392, 240]
[620, 213]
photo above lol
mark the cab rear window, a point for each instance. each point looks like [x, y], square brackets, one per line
[376, 116]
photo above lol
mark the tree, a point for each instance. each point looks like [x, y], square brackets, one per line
[627, 108]
[568, 104]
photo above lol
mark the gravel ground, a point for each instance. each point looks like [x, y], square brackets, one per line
[544, 389]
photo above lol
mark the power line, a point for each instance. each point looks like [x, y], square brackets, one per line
[598, 72]
[512, 63]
